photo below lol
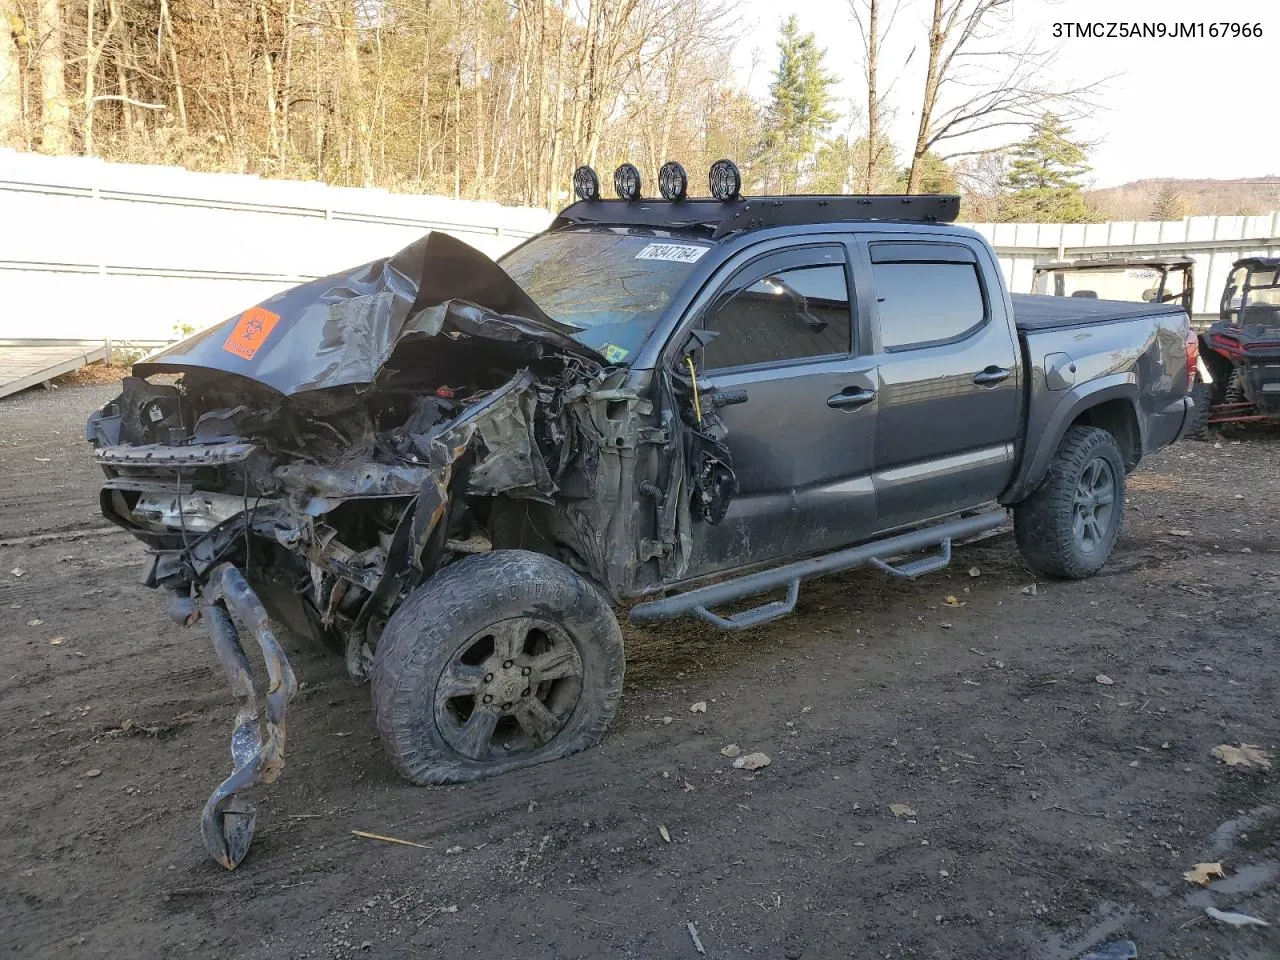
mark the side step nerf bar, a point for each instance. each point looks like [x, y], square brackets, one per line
[701, 601]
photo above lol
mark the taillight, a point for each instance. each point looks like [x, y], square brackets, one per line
[1193, 358]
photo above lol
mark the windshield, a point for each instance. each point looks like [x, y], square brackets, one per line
[610, 284]
[1263, 298]
[1118, 283]
[1259, 287]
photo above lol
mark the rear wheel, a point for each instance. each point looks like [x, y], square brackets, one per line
[1068, 527]
[1235, 388]
[500, 661]
[1201, 396]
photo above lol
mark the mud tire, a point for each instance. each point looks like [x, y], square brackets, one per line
[1202, 396]
[459, 601]
[1044, 523]
[1235, 388]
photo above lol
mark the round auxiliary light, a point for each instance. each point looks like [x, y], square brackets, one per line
[725, 180]
[673, 182]
[626, 182]
[586, 184]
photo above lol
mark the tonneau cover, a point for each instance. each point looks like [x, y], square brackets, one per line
[1038, 312]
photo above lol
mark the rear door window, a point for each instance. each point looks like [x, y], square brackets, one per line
[923, 303]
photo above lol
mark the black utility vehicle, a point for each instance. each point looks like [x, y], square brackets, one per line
[449, 469]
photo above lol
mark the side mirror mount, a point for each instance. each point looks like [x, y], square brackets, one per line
[697, 342]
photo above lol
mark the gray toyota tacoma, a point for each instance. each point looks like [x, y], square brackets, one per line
[450, 470]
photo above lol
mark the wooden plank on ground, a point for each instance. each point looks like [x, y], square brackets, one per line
[25, 365]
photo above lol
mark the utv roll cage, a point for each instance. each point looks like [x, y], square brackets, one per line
[1055, 271]
[1247, 275]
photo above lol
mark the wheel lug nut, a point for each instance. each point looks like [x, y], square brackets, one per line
[487, 699]
[508, 664]
[506, 706]
[524, 692]
[524, 672]
[488, 678]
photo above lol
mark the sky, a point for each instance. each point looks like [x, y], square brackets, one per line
[1166, 112]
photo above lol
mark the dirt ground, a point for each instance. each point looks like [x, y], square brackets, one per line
[1051, 811]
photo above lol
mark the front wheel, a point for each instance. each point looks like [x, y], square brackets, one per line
[500, 661]
[1068, 527]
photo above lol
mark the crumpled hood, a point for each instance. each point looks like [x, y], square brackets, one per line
[342, 329]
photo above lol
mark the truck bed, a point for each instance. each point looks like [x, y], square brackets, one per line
[1038, 312]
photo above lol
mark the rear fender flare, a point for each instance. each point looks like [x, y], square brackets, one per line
[1085, 397]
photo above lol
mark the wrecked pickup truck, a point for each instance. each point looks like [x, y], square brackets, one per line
[450, 470]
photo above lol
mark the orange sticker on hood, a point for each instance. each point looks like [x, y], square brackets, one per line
[251, 332]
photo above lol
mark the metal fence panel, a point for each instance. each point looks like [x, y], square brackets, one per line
[129, 252]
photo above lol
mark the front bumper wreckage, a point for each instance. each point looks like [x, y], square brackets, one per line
[315, 460]
[257, 740]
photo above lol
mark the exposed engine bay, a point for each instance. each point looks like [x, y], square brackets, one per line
[367, 438]
[321, 456]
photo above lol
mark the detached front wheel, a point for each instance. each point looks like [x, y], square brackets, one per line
[1068, 527]
[500, 661]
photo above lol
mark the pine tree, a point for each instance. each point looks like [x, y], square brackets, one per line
[1168, 204]
[799, 110]
[1044, 177]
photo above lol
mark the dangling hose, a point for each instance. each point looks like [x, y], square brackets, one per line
[693, 377]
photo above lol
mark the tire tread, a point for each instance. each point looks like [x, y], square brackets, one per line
[451, 606]
[1042, 522]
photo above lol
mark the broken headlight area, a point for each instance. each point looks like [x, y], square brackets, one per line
[335, 504]
[312, 462]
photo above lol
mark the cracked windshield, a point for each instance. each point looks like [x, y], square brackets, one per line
[612, 285]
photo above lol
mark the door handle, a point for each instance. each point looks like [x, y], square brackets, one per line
[850, 398]
[991, 376]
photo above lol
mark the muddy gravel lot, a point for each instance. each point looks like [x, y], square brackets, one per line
[1008, 774]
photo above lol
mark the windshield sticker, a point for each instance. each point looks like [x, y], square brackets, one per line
[614, 353]
[676, 252]
[251, 332]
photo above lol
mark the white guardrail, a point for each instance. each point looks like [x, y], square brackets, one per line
[91, 250]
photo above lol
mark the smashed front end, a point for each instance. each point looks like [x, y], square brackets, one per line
[318, 457]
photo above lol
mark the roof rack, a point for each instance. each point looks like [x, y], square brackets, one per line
[755, 213]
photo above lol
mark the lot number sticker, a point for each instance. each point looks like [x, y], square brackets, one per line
[676, 252]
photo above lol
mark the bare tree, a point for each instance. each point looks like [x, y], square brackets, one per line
[866, 17]
[55, 111]
[10, 77]
[981, 179]
[93, 48]
[993, 88]
[494, 99]
[684, 62]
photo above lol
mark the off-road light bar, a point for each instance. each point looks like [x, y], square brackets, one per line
[725, 181]
[673, 182]
[626, 182]
[586, 184]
